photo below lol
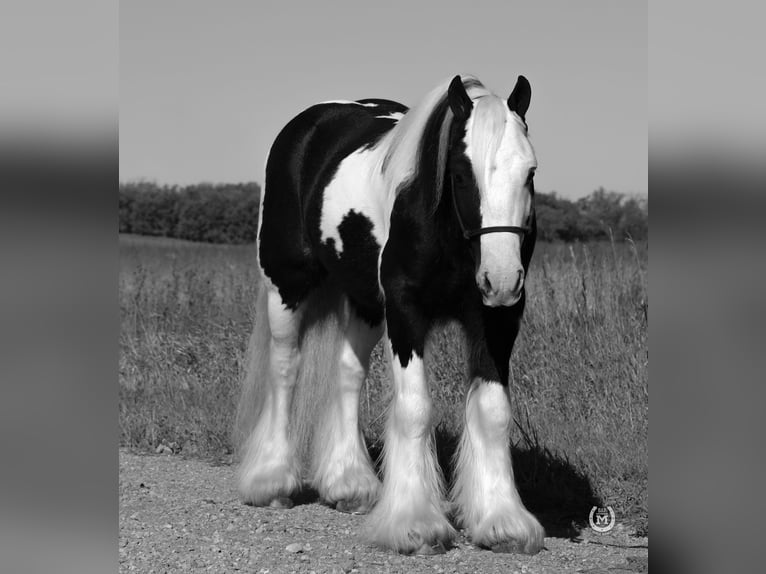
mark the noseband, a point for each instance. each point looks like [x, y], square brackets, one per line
[472, 233]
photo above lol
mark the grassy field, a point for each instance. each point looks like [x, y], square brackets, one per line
[579, 380]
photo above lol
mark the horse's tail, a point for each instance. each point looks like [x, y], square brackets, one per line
[254, 388]
[321, 342]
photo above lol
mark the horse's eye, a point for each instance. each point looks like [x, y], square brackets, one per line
[531, 175]
[459, 179]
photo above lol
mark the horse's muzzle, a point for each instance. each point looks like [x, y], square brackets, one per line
[500, 289]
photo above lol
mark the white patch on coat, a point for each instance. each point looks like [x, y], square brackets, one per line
[396, 116]
[357, 186]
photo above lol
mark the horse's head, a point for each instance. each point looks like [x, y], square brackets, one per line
[491, 166]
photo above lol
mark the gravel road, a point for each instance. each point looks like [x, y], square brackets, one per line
[182, 515]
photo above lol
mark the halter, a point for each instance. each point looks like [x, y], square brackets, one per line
[472, 233]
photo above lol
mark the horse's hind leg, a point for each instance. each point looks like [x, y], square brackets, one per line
[343, 473]
[269, 472]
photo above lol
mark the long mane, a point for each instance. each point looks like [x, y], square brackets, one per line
[418, 145]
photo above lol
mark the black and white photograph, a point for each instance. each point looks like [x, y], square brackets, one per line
[383, 287]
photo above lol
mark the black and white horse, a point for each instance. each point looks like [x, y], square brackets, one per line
[379, 221]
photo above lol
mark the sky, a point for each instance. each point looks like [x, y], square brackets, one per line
[206, 86]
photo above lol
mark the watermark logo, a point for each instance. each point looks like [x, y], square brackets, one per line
[601, 518]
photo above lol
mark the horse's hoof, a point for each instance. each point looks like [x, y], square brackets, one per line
[510, 547]
[352, 507]
[281, 502]
[431, 549]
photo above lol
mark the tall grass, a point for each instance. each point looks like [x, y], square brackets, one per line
[579, 371]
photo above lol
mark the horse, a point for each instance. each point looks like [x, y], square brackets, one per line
[379, 221]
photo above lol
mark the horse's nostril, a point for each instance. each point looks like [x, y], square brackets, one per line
[519, 279]
[486, 285]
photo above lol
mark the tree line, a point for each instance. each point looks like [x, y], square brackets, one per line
[228, 213]
[211, 213]
[601, 215]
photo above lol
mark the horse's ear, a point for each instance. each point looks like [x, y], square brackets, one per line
[459, 102]
[518, 101]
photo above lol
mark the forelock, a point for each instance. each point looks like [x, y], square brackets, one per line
[487, 127]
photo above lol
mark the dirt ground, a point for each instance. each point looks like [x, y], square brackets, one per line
[183, 515]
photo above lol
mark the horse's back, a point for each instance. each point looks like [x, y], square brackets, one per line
[306, 210]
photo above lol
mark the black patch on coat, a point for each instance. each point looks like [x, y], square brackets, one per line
[492, 332]
[462, 185]
[357, 266]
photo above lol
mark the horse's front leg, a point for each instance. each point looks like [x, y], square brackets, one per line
[489, 506]
[410, 515]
